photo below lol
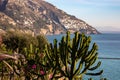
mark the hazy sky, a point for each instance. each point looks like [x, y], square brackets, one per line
[101, 14]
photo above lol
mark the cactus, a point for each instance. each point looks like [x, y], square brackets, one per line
[73, 58]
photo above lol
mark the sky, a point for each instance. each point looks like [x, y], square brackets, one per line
[104, 15]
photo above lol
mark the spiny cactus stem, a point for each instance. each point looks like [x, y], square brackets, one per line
[79, 68]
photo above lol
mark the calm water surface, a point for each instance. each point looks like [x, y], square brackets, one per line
[109, 46]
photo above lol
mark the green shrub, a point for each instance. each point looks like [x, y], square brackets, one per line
[42, 41]
[31, 66]
[18, 41]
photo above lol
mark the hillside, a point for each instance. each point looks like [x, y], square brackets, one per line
[39, 16]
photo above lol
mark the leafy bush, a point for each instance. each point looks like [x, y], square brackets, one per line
[31, 65]
[18, 41]
[42, 41]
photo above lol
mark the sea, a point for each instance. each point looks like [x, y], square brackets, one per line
[108, 48]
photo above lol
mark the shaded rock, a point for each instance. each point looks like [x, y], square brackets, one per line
[3, 4]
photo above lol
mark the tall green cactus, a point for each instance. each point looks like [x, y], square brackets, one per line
[73, 58]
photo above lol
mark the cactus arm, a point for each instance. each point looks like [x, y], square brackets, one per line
[95, 67]
[91, 53]
[92, 59]
[47, 53]
[49, 57]
[79, 68]
[85, 69]
[95, 74]
[74, 48]
[62, 50]
[76, 41]
[55, 51]
[62, 72]
[31, 48]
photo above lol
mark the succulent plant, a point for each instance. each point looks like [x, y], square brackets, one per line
[73, 59]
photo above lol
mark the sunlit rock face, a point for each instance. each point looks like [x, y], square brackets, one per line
[39, 16]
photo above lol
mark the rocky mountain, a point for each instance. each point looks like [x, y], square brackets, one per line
[39, 16]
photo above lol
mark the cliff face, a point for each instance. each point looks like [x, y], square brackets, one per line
[39, 16]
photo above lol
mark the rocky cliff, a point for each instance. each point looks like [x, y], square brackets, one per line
[39, 16]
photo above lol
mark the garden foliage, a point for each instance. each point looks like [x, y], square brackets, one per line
[70, 59]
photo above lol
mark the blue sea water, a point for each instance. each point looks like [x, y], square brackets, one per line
[109, 46]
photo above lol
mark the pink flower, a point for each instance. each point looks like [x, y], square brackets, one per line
[50, 76]
[42, 72]
[33, 66]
